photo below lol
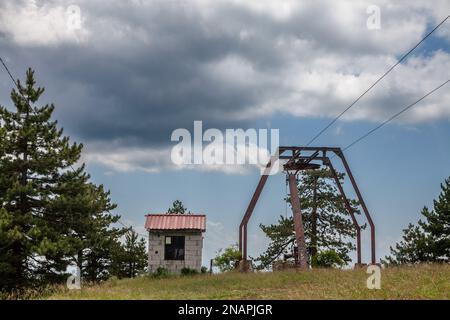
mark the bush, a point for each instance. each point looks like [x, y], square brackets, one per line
[161, 273]
[204, 269]
[188, 272]
[228, 259]
[327, 259]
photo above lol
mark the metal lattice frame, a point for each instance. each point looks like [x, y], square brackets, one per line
[302, 158]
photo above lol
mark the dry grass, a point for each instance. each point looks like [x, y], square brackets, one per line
[415, 282]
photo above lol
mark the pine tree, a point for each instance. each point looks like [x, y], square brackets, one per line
[130, 258]
[48, 210]
[89, 227]
[326, 221]
[177, 208]
[95, 239]
[413, 248]
[437, 224]
[429, 241]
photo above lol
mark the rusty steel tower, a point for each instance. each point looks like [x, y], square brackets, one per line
[307, 158]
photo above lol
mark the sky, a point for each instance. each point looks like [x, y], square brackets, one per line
[124, 75]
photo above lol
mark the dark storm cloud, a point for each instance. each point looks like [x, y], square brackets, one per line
[141, 71]
[144, 71]
[119, 87]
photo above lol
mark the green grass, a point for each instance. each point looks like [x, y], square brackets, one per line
[415, 282]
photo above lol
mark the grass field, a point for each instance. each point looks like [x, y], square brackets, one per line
[417, 282]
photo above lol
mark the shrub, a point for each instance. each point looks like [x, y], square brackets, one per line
[228, 259]
[327, 259]
[204, 269]
[161, 273]
[188, 272]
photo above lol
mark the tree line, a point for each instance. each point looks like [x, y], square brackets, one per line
[52, 215]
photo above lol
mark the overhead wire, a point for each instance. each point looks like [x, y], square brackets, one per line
[395, 116]
[376, 82]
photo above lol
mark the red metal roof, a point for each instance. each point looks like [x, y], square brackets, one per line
[176, 222]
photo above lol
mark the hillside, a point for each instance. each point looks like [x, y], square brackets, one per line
[418, 282]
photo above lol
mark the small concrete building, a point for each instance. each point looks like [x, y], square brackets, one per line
[175, 241]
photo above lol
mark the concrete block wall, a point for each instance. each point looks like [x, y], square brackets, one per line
[193, 245]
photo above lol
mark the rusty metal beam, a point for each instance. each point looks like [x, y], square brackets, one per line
[248, 213]
[298, 223]
[319, 158]
[297, 166]
[291, 159]
[251, 207]
[340, 154]
[311, 157]
[296, 148]
[349, 209]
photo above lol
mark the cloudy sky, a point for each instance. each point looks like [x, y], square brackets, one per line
[124, 74]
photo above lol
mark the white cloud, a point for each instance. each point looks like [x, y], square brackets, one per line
[124, 159]
[278, 10]
[129, 159]
[48, 24]
[329, 62]
[325, 92]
